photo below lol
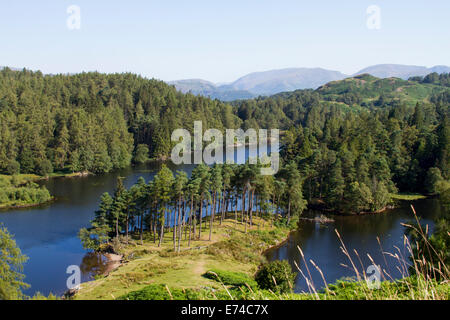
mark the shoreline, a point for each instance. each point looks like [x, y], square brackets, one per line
[278, 245]
[166, 263]
[165, 158]
[114, 261]
[319, 205]
[25, 177]
[26, 206]
[34, 179]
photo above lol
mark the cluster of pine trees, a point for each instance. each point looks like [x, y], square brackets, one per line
[185, 203]
[354, 161]
[92, 121]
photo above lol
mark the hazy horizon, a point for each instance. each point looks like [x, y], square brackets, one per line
[221, 42]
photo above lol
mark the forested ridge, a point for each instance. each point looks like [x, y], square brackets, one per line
[354, 141]
[346, 147]
[358, 140]
[93, 121]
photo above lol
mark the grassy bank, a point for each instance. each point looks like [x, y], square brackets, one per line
[24, 178]
[406, 289]
[152, 272]
[146, 264]
[407, 196]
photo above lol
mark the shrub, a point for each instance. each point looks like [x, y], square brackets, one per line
[13, 167]
[15, 181]
[282, 223]
[276, 276]
[236, 279]
[44, 168]
[3, 196]
[141, 154]
[4, 182]
[160, 292]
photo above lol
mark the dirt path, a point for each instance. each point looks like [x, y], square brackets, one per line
[199, 268]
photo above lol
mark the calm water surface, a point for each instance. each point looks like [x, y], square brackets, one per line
[48, 234]
[320, 243]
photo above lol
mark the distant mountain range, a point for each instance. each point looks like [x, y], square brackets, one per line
[401, 71]
[261, 83]
[276, 81]
[283, 80]
[209, 89]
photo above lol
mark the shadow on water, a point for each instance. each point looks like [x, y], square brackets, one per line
[320, 243]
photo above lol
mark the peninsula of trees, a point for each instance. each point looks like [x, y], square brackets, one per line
[183, 204]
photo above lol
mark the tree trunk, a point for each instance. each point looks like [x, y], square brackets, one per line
[117, 227]
[275, 210]
[289, 212]
[226, 199]
[235, 208]
[243, 204]
[194, 220]
[184, 219]
[211, 219]
[127, 226]
[154, 229]
[141, 228]
[191, 216]
[176, 224]
[222, 211]
[161, 236]
[251, 206]
[179, 233]
[200, 218]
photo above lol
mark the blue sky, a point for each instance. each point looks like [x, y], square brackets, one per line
[221, 40]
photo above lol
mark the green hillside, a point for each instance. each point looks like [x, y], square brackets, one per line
[369, 90]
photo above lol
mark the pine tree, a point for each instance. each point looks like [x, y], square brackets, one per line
[163, 187]
[11, 261]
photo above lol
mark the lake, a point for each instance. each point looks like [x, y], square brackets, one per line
[48, 234]
[320, 243]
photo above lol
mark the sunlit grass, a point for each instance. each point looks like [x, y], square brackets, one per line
[408, 196]
[149, 264]
[230, 251]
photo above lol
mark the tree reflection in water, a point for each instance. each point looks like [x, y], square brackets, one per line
[94, 264]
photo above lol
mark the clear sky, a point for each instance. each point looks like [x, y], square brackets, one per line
[221, 40]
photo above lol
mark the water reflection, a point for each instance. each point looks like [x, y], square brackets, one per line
[320, 243]
[93, 264]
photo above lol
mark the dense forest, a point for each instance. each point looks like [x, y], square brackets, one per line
[347, 147]
[93, 122]
[354, 141]
[358, 140]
